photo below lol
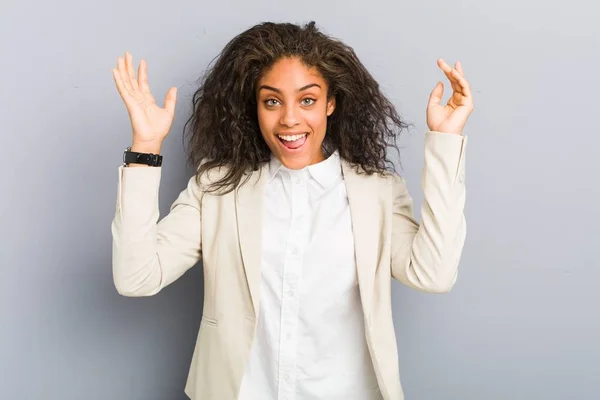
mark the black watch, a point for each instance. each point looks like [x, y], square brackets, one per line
[153, 160]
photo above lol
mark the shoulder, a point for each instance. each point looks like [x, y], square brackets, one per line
[388, 184]
[384, 178]
[207, 176]
[211, 179]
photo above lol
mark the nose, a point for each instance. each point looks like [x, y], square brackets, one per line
[289, 116]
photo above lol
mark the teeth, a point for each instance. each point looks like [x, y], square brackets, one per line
[291, 138]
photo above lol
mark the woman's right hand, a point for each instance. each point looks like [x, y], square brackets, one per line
[150, 123]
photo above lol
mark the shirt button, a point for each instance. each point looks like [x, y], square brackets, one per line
[295, 251]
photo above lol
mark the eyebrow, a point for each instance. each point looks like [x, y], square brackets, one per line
[279, 91]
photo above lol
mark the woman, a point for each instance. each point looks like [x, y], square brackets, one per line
[295, 212]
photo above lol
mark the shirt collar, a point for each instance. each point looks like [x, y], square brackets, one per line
[325, 172]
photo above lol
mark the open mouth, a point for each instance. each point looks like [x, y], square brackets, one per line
[293, 142]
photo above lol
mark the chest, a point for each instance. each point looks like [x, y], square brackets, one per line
[308, 241]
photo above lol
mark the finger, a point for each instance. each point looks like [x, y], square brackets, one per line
[465, 88]
[436, 94]
[459, 68]
[124, 75]
[447, 69]
[120, 84]
[143, 78]
[130, 71]
[171, 100]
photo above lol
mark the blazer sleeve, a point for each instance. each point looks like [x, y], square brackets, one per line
[149, 255]
[426, 256]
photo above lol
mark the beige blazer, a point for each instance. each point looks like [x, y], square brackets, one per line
[225, 233]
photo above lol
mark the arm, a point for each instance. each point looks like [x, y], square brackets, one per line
[147, 256]
[426, 257]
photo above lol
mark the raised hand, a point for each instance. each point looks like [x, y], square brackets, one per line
[150, 123]
[451, 117]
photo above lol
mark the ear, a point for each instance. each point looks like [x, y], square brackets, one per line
[330, 106]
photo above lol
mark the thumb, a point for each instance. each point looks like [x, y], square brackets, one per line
[171, 100]
[436, 95]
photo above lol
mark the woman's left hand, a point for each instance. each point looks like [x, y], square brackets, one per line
[452, 117]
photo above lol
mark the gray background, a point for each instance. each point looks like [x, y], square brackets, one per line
[522, 321]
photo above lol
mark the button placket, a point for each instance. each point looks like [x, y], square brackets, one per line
[289, 300]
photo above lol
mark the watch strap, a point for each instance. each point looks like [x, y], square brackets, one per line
[132, 157]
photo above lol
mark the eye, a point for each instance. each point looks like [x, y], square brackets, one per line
[271, 102]
[308, 101]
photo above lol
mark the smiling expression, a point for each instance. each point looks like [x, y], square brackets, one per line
[292, 112]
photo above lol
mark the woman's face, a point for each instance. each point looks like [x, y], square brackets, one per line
[292, 112]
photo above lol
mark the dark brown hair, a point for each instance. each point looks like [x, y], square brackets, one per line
[223, 128]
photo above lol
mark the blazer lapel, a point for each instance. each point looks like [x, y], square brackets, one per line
[249, 208]
[363, 196]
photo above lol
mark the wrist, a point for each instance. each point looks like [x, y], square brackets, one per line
[152, 148]
[142, 155]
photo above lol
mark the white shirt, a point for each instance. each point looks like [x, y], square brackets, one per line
[310, 342]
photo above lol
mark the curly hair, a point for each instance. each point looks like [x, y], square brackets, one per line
[224, 130]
